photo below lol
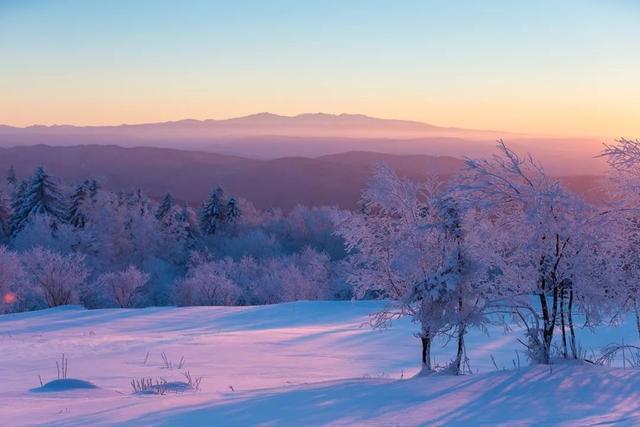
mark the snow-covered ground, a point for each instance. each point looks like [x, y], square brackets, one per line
[304, 363]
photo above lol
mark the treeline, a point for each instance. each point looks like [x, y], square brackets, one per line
[84, 245]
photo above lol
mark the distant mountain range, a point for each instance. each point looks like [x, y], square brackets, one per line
[336, 179]
[271, 136]
[265, 124]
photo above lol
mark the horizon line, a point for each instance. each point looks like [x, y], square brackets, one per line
[319, 113]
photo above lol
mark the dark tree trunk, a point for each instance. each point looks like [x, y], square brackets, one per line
[549, 316]
[426, 353]
[565, 352]
[572, 332]
[544, 307]
[460, 353]
[547, 333]
[637, 312]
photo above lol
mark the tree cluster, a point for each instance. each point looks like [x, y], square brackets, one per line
[85, 245]
[505, 242]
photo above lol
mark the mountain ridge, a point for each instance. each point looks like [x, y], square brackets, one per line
[262, 116]
[271, 136]
[336, 179]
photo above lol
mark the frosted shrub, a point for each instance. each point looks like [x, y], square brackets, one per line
[123, 286]
[208, 284]
[56, 277]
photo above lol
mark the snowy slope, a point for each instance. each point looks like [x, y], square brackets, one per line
[301, 363]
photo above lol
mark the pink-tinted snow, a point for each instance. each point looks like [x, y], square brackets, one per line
[311, 363]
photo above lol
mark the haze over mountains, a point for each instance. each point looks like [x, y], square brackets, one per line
[336, 179]
[271, 136]
[190, 176]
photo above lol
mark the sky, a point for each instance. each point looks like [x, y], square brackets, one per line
[569, 67]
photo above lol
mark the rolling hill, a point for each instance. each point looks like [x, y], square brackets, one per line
[335, 179]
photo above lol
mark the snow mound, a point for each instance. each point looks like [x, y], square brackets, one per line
[66, 384]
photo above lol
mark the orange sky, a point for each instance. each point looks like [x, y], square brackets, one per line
[567, 68]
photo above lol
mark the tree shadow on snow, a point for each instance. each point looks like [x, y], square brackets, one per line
[568, 393]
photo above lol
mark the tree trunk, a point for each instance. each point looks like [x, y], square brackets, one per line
[457, 364]
[637, 312]
[565, 352]
[426, 353]
[574, 350]
[547, 332]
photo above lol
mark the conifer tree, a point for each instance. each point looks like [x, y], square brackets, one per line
[212, 212]
[138, 200]
[79, 198]
[11, 176]
[17, 199]
[93, 189]
[41, 197]
[233, 211]
[165, 206]
[5, 215]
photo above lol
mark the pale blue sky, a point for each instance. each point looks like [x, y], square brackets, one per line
[541, 66]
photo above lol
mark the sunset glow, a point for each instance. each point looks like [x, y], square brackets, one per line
[548, 67]
[320, 213]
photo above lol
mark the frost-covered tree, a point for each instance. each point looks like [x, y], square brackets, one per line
[624, 155]
[623, 233]
[189, 218]
[389, 260]
[57, 277]
[137, 200]
[305, 226]
[212, 212]
[12, 180]
[79, 205]
[17, 199]
[123, 287]
[177, 237]
[462, 274]
[41, 197]
[316, 270]
[232, 211]
[407, 245]
[93, 189]
[5, 215]
[123, 230]
[208, 283]
[38, 232]
[541, 241]
[165, 206]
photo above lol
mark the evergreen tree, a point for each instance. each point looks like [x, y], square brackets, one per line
[42, 197]
[212, 212]
[190, 221]
[138, 200]
[165, 206]
[5, 215]
[93, 189]
[233, 211]
[17, 199]
[79, 198]
[11, 176]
